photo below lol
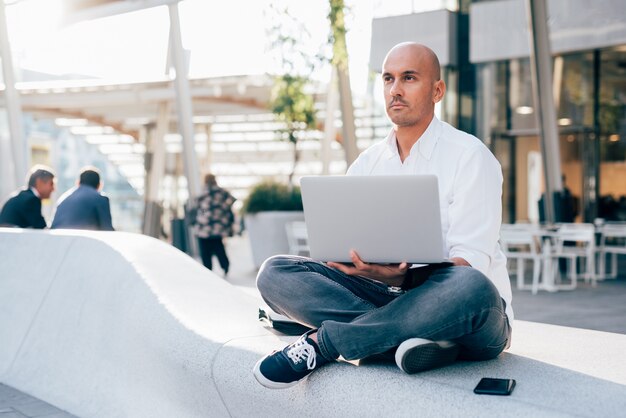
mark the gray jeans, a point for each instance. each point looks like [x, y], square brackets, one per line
[357, 317]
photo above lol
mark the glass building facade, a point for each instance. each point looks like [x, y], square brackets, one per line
[590, 98]
[490, 95]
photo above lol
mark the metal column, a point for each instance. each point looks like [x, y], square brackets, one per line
[153, 209]
[347, 116]
[545, 112]
[486, 74]
[18, 143]
[183, 105]
[208, 159]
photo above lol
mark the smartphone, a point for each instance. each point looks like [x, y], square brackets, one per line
[490, 386]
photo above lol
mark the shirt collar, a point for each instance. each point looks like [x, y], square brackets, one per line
[424, 145]
[392, 147]
[35, 192]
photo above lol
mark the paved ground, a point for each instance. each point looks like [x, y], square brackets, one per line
[601, 308]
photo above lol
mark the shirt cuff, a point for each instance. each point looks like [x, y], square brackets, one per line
[478, 260]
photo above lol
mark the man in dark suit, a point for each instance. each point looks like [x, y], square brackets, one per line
[84, 207]
[23, 209]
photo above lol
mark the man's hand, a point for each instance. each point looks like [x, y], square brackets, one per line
[458, 261]
[390, 274]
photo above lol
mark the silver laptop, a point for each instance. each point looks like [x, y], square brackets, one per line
[386, 219]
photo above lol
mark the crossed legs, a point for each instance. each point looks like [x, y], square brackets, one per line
[357, 318]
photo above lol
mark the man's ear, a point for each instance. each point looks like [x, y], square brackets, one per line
[438, 91]
[39, 183]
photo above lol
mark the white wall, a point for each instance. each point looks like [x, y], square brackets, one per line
[499, 29]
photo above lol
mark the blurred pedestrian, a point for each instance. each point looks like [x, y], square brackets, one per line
[565, 205]
[23, 209]
[84, 206]
[569, 203]
[213, 221]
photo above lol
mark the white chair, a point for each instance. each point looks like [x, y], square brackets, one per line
[297, 238]
[613, 242]
[519, 243]
[582, 240]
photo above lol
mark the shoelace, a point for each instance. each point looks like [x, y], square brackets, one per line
[302, 350]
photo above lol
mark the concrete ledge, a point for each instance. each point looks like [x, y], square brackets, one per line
[108, 324]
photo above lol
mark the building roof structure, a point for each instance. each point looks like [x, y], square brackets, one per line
[128, 106]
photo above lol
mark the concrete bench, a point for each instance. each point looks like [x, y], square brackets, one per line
[110, 324]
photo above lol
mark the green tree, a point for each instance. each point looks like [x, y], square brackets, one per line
[290, 102]
[295, 109]
[340, 65]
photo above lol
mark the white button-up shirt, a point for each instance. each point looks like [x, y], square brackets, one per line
[470, 193]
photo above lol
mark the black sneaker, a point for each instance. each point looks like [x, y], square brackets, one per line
[285, 368]
[418, 354]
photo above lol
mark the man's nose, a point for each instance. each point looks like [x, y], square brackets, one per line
[395, 89]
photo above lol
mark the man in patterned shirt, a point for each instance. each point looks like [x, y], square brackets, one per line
[213, 221]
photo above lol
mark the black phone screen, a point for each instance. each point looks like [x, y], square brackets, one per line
[490, 386]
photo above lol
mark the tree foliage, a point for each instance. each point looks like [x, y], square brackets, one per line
[338, 34]
[271, 196]
[290, 101]
[292, 105]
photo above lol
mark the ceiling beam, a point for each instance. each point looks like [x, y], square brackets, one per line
[74, 114]
[81, 10]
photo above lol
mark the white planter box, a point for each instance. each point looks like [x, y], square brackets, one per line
[267, 233]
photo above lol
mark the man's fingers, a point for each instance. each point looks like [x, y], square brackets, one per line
[334, 265]
[381, 272]
[341, 267]
[356, 260]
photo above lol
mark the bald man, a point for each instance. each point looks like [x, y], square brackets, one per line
[423, 317]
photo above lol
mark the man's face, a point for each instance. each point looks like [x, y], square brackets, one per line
[410, 86]
[44, 187]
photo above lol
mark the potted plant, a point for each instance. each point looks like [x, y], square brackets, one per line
[267, 210]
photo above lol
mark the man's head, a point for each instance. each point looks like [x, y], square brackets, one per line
[89, 176]
[412, 84]
[210, 180]
[41, 178]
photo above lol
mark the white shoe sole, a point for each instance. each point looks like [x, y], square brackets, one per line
[418, 354]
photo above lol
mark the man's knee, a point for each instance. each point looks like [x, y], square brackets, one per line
[475, 287]
[275, 271]
[267, 272]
